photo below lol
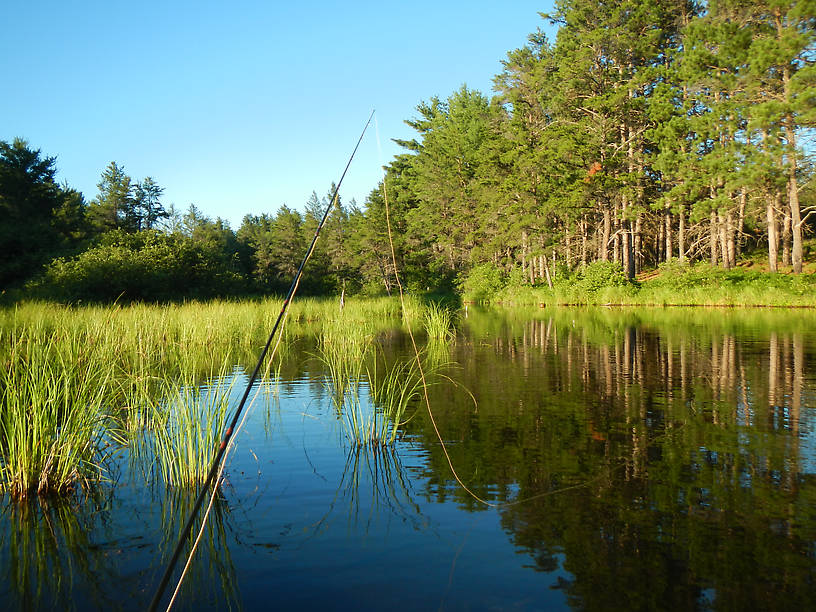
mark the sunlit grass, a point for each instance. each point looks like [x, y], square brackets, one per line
[188, 424]
[81, 382]
[439, 323]
[52, 412]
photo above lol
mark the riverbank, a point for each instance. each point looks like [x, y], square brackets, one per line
[674, 285]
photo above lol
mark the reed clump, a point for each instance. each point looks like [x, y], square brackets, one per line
[53, 422]
[439, 323]
[187, 425]
[371, 396]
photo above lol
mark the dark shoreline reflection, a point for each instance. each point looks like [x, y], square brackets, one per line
[47, 549]
[671, 455]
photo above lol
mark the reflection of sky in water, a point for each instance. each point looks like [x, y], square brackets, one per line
[334, 526]
[807, 439]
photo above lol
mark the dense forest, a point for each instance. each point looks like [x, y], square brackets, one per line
[648, 131]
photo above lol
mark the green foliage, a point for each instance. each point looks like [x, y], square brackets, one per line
[187, 425]
[599, 275]
[38, 218]
[482, 283]
[439, 323]
[52, 420]
[145, 266]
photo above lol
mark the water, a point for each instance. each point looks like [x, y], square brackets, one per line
[643, 459]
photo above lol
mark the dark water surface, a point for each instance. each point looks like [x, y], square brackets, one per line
[659, 459]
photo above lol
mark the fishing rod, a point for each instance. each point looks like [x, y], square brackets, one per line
[185, 533]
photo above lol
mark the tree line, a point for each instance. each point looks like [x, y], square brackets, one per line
[648, 131]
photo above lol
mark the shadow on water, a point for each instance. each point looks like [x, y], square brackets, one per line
[60, 554]
[211, 580]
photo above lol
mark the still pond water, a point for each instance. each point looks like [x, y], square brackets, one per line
[635, 459]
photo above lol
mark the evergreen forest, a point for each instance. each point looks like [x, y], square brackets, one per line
[649, 136]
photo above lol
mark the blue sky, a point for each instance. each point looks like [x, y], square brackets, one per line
[240, 107]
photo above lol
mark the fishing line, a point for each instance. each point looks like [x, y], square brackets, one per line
[216, 467]
[426, 397]
[406, 317]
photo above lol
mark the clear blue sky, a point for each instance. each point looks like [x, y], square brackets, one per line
[240, 107]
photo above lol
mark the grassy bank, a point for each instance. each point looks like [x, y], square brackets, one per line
[671, 285]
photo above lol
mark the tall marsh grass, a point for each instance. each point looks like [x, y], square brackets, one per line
[371, 395]
[439, 323]
[80, 382]
[53, 420]
[188, 424]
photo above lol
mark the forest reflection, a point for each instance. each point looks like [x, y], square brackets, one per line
[666, 456]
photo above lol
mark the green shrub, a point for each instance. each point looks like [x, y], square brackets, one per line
[482, 283]
[600, 274]
[146, 266]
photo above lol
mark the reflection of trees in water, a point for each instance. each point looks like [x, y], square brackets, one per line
[687, 439]
[72, 555]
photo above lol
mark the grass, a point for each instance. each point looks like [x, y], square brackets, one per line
[188, 424]
[371, 395]
[439, 323]
[82, 382]
[53, 424]
[676, 284]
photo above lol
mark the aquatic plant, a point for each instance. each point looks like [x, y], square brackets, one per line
[188, 424]
[211, 575]
[439, 323]
[53, 426]
[391, 395]
[50, 548]
[354, 365]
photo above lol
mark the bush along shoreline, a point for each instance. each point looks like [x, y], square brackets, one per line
[672, 284]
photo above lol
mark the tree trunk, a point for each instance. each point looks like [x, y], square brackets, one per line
[723, 234]
[637, 254]
[681, 235]
[603, 248]
[793, 187]
[660, 240]
[796, 219]
[712, 238]
[616, 240]
[786, 238]
[547, 272]
[583, 241]
[773, 239]
[731, 242]
[668, 235]
[626, 244]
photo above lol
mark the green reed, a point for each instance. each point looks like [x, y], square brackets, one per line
[391, 395]
[50, 548]
[53, 425]
[212, 573]
[188, 423]
[355, 364]
[81, 382]
[438, 322]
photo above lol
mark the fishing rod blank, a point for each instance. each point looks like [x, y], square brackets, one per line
[229, 431]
